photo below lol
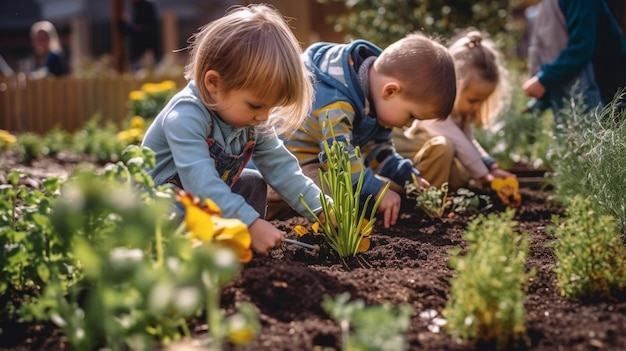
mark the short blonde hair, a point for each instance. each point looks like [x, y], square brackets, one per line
[424, 68]
[253, 48]
[476, 56]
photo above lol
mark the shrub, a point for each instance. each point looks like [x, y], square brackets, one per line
[486, 300]
[591, 257]
[589, 158]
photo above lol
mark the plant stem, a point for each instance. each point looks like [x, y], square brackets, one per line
[159, 243]
[214, 319]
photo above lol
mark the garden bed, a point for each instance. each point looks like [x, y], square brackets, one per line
[405, 264]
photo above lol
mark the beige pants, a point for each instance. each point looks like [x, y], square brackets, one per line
[433, 157]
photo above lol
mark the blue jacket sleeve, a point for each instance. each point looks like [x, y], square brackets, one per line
[282, 172]
[581, 17]
[384, 160]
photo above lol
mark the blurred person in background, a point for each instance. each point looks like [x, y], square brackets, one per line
[144, 33]
[50, 59]
[577, 48]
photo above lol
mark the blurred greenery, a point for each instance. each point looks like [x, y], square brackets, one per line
[385, 21]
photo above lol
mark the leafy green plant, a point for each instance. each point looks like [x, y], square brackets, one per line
[100, 257]
[345, 226]
[591, 257]
[99, 140]
[431, 200]
[370, 328]
[31, 254]
[30, 147]
[57, 140]
[486, 300]
[385, 21]
[465, 201]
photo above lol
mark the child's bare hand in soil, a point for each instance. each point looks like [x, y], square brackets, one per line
[390, 208]
[264, 236]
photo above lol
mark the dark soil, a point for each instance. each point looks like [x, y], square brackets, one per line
[405, 264]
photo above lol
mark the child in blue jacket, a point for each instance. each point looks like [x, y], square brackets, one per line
[362, 92]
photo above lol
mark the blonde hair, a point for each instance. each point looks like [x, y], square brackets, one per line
[424, 68]
[253, 48]
[475, 55]
[54, 44]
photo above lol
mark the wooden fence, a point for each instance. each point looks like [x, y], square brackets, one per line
[39, 105]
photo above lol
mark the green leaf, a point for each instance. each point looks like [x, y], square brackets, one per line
[44, 272]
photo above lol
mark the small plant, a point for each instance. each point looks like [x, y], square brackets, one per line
[591, 257]
[373, 328]
[431, 200]
[465, 201]
[486, 300]
[31, 147]
[345, 226]
[99, 140]
[57, 140]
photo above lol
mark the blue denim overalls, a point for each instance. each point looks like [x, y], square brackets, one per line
[228, 166]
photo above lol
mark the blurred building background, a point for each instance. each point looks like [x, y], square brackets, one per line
[87, 34]
[86, 31]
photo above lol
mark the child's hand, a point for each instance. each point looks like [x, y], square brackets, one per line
[264, 236]
[423, 183]
[500, 173]
[390, 208]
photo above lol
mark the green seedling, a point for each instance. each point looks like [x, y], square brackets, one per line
[431, 200]
[370, 328]
[345, 226]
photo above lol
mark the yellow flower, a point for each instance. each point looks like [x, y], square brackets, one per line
[167, 85]
[198, 222]
[150, 88]
[123, 136]
[241, 336]
[131, 136]
[300, 230]
[136, 95]
[364, 245]
[507, 190]
[205, 223]
[316, 227]
[366, 229]
[6, 139]
[137, 122]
